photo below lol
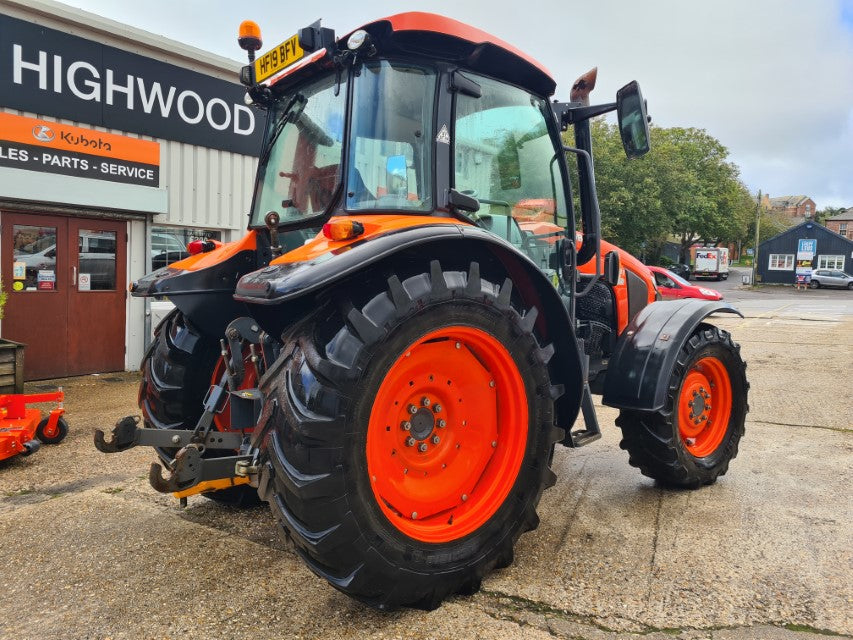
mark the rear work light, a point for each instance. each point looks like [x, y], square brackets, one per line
[202, 246]
[342, 229]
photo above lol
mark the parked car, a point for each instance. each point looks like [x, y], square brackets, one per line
[830, 278]
[672, 286]
[680, 269]
[166, 248]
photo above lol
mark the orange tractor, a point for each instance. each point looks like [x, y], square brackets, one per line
[394, 385]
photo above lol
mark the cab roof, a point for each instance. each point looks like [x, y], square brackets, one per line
[432, 36]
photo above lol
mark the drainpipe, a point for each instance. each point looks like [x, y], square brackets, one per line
[146, 301]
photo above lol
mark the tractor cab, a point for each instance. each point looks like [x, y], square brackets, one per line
[420, 115]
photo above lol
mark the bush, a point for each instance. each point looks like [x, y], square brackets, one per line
[665, 261]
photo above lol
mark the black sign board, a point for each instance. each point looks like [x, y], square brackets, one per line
[53, 73]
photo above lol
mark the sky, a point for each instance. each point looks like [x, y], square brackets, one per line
[771, 79]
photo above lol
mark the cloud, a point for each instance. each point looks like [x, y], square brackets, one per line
[771, 79]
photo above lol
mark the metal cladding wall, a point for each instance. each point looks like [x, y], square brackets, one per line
[208, 188]
[828, 243]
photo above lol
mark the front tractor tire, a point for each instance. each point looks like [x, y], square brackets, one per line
[177, 372]
[412, 437]
[692, 440]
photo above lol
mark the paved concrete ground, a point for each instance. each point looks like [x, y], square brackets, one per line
[92, 552]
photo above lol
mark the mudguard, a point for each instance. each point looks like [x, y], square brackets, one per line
[639, 370]
[291, 282]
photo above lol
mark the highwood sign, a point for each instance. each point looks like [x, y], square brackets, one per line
[38, 145]
[53, 73]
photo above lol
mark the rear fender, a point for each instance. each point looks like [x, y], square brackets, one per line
[275, 292]
[639, 370]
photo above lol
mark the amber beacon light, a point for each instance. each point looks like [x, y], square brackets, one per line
[249, 37]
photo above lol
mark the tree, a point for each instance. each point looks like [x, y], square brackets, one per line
[821, 215]
[685, 187]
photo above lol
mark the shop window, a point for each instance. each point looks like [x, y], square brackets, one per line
[34, 254]
[781, 261]
[830, 262]
[169, 244]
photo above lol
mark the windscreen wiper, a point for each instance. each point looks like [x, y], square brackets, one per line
[287, 115]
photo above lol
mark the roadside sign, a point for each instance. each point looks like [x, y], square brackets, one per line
[750, 252]
[806, 248]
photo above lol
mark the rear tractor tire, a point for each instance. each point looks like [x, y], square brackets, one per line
[690, 442]
[412, 437]
[177, 372]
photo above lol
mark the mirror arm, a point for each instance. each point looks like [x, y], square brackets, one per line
[574, 112]
[590, 214]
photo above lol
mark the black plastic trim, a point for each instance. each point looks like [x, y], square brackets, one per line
[639, 369]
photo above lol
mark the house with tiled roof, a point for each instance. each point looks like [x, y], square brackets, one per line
[842, 223]
[793, 206]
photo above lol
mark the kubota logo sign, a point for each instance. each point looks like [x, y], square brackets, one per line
[43, 133]
[33, 145]
[53, 73]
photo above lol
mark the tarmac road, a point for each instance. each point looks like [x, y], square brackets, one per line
[93, 552]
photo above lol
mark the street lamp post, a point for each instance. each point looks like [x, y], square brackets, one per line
[757, 224]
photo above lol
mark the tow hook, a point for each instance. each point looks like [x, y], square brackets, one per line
[189, 470]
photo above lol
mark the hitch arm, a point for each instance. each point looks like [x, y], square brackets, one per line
[127, 434]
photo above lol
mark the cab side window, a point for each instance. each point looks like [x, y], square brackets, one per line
[505, 156]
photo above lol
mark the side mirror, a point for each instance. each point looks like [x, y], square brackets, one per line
[633, 120]
[396, 176]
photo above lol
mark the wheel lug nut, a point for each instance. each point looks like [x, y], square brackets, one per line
[494, 443]
[690, 441]
[422, 447]
[406, 425]
[425, 401]
[414, 515]
[441, 424]
[492, 384]
[413, 409]
[458, 345]
[436, 439]
[410, 441]
[464, 497]
[437, 408]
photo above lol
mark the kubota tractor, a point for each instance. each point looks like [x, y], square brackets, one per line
[394, 385]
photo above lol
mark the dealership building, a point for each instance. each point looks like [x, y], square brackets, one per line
[117, 148]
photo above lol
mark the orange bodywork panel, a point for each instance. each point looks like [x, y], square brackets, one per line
[200, 261]
[420, 21]
[620, 291]
[374, 225]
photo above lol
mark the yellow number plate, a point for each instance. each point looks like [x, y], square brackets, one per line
[278, 58]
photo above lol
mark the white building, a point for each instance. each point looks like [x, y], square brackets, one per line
[117, 147]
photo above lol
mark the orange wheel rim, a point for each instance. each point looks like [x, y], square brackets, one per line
[704, 407]
[222, 420]
[447, 434]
